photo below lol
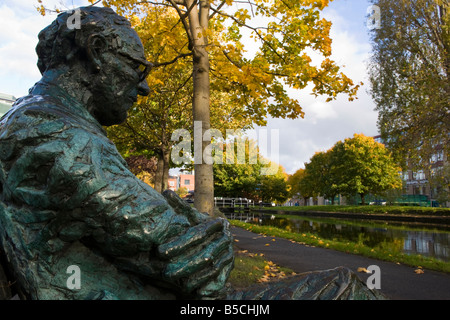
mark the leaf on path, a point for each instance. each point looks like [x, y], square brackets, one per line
[419, 270]
[361, 269]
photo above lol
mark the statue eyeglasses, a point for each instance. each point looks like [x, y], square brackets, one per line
[144, 67]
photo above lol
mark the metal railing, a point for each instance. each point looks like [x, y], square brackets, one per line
[234, 208]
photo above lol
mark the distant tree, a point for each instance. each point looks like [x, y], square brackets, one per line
[139, 163]
[236, 178]
[320, 171]
[274, 187]
[364, 166]
[293, 181]
[410, 80]
[244, 176]
[182, 191]
[302, 184]
[440, 179]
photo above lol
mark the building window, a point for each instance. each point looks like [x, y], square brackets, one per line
[405, 176]
[187, 182]
[419, 175]
[437, 157]
[171, 183]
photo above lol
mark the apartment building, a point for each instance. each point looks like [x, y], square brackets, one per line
[182, 180]
[420, 184]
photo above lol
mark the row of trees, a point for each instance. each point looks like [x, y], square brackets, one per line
[357, 165]
[248, 179]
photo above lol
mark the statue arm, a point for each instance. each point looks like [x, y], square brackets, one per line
[185, 248]
[82, 178]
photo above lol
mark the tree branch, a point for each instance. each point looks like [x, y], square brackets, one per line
[182, 55]
[217, 9]
[182, 16]
[254, 29]
[231, 60]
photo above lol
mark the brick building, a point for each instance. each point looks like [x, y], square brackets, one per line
[182, 180]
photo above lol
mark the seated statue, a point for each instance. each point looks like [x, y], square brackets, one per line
[69, 201]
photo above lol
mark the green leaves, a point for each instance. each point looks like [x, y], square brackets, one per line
[234, 179]
[409, 74]
[358, 165]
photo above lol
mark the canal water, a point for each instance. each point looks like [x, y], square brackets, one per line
[425, 240]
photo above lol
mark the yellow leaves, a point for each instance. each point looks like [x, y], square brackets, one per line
[256, 83]
[419, 270]
[41, 9]
[134, 20]
[271, 271]
[362, 269]
[242, 15]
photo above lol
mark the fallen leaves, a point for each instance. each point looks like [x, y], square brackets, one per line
[419, 270]
[361, 269]
[271, 272]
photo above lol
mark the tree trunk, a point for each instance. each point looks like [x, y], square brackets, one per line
[159, 173]
[363, 200]
[166, 167]
[204, 183]
[305, 199]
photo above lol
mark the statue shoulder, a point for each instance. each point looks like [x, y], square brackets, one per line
[36, 116]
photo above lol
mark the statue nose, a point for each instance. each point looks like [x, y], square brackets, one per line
[143, 88]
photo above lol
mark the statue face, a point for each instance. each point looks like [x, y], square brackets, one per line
[120, 80]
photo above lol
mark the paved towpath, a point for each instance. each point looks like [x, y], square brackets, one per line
[397, 281]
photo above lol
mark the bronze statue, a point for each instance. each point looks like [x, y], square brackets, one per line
[69, 202]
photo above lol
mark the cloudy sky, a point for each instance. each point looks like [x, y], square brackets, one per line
[324, 123]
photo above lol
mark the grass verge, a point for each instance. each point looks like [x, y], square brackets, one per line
[251, 268]
[384, 251]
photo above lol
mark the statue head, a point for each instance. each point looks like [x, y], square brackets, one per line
[102, 54]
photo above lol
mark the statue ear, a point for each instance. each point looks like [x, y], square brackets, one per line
[96, 45]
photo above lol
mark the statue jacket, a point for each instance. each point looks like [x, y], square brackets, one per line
[65, 188]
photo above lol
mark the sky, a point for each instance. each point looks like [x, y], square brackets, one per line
[323, 125]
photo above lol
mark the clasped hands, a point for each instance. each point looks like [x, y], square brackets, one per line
[199, 261]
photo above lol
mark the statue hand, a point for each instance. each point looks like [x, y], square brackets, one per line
[182, 207]
[200, 260]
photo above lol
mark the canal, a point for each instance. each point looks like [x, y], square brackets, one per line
[426, 240]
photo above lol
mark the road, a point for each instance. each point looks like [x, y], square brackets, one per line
[398, 282]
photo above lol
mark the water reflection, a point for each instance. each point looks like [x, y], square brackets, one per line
[409, 239]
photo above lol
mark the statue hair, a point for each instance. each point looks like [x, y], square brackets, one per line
[58, 43]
